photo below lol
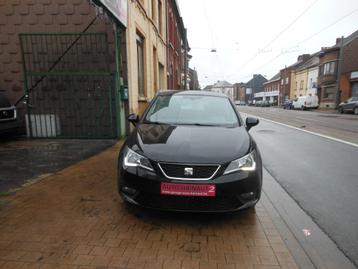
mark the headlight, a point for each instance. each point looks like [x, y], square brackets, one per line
[246, 163]
[133, 159]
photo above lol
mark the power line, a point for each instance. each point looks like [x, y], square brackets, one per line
[310, 37]
[292, 23]
[280, 33]
[328, 26]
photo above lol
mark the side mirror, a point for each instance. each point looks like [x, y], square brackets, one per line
[251, 122]
[133, 118]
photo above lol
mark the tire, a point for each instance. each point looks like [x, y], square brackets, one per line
[341, 110]
[302, 108]
[355, 111]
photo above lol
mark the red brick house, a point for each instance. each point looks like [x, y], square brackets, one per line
[346, 49]
[177, 48]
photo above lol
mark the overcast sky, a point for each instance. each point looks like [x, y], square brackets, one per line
[260, 36]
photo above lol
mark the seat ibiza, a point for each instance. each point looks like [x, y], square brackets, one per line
[190, 151]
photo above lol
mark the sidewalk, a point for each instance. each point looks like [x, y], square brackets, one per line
[75, 219]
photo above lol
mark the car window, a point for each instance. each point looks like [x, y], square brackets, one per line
[193, 109]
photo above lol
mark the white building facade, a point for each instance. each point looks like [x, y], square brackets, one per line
[223, 87]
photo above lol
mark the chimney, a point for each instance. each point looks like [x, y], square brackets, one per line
[303, 57]
[338, 40]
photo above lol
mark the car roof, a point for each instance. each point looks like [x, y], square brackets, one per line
[201, 93]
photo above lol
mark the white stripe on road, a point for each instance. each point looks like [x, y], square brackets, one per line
[309, 132]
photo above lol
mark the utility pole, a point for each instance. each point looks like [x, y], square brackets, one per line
[339, 70]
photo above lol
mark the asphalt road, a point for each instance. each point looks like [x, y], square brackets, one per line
[319, 173]
[341, 126]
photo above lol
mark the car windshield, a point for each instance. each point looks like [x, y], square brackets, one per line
[192, 110]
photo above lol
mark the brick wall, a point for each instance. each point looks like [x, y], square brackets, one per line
[350, 57]
[30, 16]
[285, 88]
[345, 86]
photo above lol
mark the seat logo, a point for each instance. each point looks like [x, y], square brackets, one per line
[188, 171]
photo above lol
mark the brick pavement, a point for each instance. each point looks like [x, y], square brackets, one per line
[75, 219]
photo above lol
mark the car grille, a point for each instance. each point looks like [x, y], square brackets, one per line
[6, 114]
[178, 171]
[188, 203]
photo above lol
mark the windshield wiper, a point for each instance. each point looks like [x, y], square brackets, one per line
[202, 124]
[155, 122]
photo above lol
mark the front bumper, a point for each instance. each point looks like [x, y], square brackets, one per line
[234, 191]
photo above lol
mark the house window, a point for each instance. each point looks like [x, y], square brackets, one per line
[329, 93]
[328, 68]
[286, 81]
[301, 85]
[160, 18]
[281, 81]
[140, 65]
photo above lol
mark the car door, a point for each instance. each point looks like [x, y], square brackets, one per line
[350, 104]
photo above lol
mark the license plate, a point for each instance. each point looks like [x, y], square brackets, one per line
[187, 189]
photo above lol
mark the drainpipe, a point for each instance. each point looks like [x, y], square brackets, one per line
[339, 70]
[185, 60]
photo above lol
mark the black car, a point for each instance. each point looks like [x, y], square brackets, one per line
[8, 116]
[351, 105]
[190, 151]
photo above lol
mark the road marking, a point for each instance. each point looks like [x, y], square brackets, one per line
[306, 131]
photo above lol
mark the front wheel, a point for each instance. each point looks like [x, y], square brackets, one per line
[341, 110]
[302, 108]
[355, 110]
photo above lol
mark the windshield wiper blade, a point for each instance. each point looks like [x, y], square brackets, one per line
[155, 122]
[202, 124]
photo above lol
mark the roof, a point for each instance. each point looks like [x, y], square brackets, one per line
[311, 62]
[276, 77]
[222, 84]
[346, 41]
[301, 60]
[208, 87]
[256, 81]
[202, 93]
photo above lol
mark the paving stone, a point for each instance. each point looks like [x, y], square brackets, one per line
[74, 219]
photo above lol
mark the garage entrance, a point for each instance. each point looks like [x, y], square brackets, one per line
[70, 91]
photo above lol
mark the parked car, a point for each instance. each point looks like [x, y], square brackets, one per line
[240, 103]
[288, 104]
[306, 102]
[190, 151]
[350, 105]
[258, 103]
[265, 103]
[8, 116]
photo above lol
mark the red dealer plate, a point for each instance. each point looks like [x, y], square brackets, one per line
[187, 189]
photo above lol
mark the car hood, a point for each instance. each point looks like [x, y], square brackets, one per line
[191, 144]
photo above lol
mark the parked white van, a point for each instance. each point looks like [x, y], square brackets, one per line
[306, 102]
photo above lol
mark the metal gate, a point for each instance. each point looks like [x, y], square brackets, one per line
[70, 91]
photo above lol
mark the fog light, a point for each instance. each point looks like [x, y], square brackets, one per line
[248, 195]
[129, 191]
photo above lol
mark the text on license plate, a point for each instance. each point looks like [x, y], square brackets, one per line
[187, 189]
